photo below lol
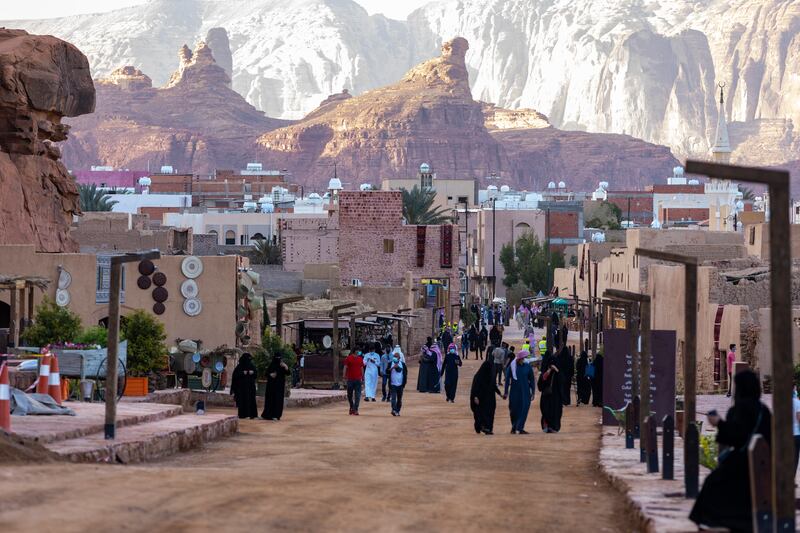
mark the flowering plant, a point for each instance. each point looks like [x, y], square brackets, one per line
[709, 451]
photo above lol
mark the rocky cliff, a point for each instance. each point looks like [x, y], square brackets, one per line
[640, 67]
[42, 80]
[430, 116]
[195, 123]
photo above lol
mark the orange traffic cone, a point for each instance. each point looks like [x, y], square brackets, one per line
[44, 375]
[54, 387]
[5, 399]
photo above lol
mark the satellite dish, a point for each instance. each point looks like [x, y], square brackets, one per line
[327, 342]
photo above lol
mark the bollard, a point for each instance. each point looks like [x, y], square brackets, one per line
[652, 444]
[629, 427]
[668, 449]
[760, 465]
[691, 443]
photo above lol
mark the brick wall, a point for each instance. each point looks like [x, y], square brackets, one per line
[678, 214]
[564, 226]
[308, 240]
[371, 221]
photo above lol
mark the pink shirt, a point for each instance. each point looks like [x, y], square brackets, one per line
[731, 359]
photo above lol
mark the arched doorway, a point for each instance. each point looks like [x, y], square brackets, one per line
[230, 237]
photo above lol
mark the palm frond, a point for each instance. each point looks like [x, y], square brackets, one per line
[418, 208]
[93, 199]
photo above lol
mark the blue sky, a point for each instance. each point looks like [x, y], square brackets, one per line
[16, 9]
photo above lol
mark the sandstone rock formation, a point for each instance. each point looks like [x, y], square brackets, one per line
[196, 123]
[42, 79]
[430, 116]
[217, 40]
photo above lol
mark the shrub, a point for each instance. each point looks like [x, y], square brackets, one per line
[708, 451]
[271, 345]
[53, 325]
[145, 336]
[95, 335]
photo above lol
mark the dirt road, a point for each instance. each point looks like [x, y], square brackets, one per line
[322, 470]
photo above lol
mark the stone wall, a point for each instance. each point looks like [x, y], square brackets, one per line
[309, 240]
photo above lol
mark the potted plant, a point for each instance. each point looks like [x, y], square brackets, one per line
[53, 325]
[146, 350]
[272, 345]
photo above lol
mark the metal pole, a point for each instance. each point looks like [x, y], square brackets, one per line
[335, 348]
[113, 349]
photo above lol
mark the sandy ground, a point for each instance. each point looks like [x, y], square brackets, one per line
[323, 470]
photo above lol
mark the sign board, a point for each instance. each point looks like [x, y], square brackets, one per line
[444, 282]
[618, 373]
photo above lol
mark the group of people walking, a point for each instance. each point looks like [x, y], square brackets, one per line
[243, 388]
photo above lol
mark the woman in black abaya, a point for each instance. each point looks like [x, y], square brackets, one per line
[724, 501]
[584, 384]
[550, 385]
[276, 389]
[481, 397]
[243, 387]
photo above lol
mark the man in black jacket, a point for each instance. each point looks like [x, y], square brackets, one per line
[398, 377]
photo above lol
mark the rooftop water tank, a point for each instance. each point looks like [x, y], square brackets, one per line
[144, 181]
[335, 184]
[604, 185]
[562, 185]
[365, 187]
[255, 167]
[424, 168]
[249, 207]
[694, 182]
[505, 188]
[167, 169]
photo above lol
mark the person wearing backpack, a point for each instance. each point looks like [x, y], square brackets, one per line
[584, 371]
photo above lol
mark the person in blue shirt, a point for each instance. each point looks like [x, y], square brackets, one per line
[520, 379]
[386, 358]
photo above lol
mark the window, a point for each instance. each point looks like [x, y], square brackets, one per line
[463, 199]
[752, 235]
[230, 237]
[215, 234]
[103, 280]
[388, 246]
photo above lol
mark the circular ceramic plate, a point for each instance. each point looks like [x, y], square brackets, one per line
[189, 289]
[218, 366]
[158, 308]
[205, 361]
[192, 306]
[192, 267]
[205, 377]
[160, 279]
[143, 283]
[64, 279]
[196, 357]
[62, 297]
[160, 294]
[327, 341]
[146, 267]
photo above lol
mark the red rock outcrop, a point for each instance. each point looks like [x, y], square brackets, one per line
[42, 79]
[430, 116]
[195, 123]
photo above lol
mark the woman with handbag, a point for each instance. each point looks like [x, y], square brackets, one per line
[724, 500]
[551, 388]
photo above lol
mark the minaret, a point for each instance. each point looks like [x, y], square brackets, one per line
[721, 152]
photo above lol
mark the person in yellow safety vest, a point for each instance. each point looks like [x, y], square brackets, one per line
[527, 346]
[543, 346]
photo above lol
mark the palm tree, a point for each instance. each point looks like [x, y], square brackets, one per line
[418, 208]
[747, 194]
[94, 200]
[266, 253]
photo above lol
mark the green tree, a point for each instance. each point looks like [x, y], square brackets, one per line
[265, 253]
[52, 325]
[747, 194]
[527, 263]
[145, 336]
[603, 215]
[93, 199]
[418, 208]
[94, 335]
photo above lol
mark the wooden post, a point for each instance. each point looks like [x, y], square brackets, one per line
[644, 362]
[760, 484]
[652, 444]
[594, 335]
[335, 348]
[591, 306]
[689, 346]
[692, 468]
[30, 303]
[629, 418]
[113, 349]
[22, 306]
[667, 448]
[279, 303]
[113, 334]
[781, 323]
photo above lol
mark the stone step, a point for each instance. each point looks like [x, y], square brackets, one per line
[149, 440]
[89, 419]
